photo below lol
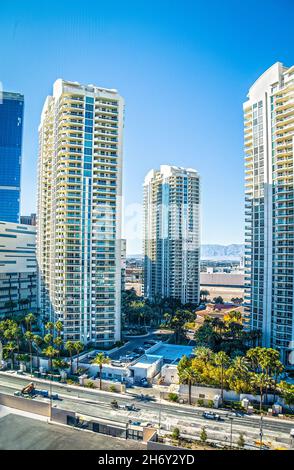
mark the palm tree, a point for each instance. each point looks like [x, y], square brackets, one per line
[100, 360]
[268, 360]
[10, 347]
[59, 364]
[189, 376]
[240, 365]
[59, 327]
[50, 327]
[50, 352]
[261, 381]
[70, 348]
[79, 348]
[38, 341]
[253, 355]
[278, 368]
[58, 343]
[222, 360]
[29, 320]
[29, 337]
[203, 354]
[48, 339]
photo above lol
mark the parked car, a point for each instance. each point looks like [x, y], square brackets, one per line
[136, 423]
[139, 350]
[211, 415]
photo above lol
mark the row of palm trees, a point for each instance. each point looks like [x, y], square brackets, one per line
[15, 336]
[258, 370]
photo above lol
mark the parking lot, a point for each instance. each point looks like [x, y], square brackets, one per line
[135, 343]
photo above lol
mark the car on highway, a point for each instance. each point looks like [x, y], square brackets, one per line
[136, 423]
[235, 414]
[132, 408]
[211, 415]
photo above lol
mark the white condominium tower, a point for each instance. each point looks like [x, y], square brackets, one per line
[172, 234]
[79, 211]
[269, 208]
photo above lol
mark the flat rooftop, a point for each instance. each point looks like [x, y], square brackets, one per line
[173, 352]
[145, 361]
[22, 433]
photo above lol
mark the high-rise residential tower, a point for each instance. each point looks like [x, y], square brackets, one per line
[269, 208]
[79, 211]
[11, 124]
[172, 234]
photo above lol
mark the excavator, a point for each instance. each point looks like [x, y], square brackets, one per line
[28, 389]
[31, 391]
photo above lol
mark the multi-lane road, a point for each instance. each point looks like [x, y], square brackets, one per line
[276, 432]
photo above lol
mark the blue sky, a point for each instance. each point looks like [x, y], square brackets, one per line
[183, 67]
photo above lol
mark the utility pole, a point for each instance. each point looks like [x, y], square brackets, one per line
[159, 416]
[231, 433]
[261, 432]
[50, 410]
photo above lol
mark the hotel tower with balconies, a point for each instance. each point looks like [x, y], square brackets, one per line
[79, 211]
[172, 234]
[269, 208]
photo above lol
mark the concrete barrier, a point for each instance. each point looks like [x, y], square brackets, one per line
[25, 404]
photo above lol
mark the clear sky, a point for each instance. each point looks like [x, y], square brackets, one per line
[184, 68]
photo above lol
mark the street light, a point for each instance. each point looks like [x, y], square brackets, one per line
[260, 432]
[231, 432]
[50, 391]
[159, 416]
[127, 427]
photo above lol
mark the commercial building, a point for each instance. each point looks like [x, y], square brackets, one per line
[172, 234]
[11, 124]
[28, 219]
[269, 202]
[79, 211]
[18, 269]
[134, 278]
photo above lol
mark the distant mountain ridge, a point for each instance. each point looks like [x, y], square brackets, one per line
[232, 252]
[214, 252]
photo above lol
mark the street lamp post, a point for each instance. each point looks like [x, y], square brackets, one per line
[127, 427]
[50, 391]
[231, 433]
[261, 432]
[159, 416]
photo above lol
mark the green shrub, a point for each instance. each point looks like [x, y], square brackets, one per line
[210, 403]
[90, 384]
[203, 435]
[173, 397]
[176, 434]
[112, 388]
[200, 402]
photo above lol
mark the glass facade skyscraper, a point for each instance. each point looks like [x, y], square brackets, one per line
[11, 124]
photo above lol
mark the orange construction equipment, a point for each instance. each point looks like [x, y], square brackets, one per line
[28, 389]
